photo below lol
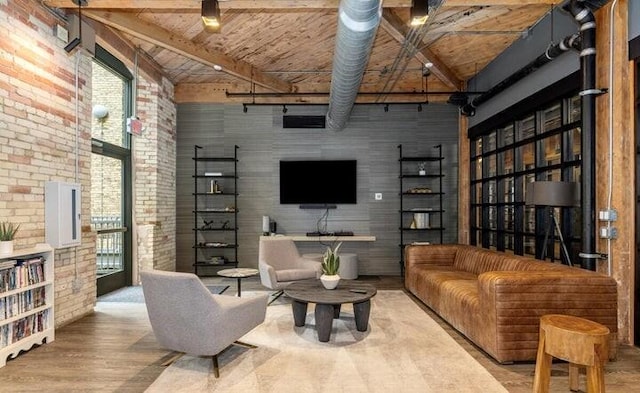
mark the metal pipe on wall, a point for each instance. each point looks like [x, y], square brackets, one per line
[570, 42]
[585, 18]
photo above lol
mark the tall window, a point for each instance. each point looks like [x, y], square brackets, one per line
[542, 144]
[111, 171]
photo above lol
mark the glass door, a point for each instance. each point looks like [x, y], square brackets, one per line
[109, 218]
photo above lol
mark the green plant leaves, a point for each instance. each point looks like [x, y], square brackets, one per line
[8, 230]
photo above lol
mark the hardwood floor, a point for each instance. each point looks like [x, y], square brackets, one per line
[114, 350]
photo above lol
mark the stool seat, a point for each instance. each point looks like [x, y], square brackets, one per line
[580, 342]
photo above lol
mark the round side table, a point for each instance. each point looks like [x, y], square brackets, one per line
[238, 273]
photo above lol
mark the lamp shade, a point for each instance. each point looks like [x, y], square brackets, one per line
[552, 193]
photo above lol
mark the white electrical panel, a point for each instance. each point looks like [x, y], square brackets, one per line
[62, 209]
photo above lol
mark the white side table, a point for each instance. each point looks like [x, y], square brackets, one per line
[238, 273]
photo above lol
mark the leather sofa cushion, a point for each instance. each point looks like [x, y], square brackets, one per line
[478, 260]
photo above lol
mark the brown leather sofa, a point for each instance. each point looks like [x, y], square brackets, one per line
[496, 299]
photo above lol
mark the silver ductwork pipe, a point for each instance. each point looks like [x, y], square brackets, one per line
[358, 22]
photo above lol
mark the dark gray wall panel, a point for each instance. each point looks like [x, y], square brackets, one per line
[371, 137]
[518, 55]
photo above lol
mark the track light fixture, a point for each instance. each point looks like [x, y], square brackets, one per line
[419, 12]
[211, 15]
[284, 109]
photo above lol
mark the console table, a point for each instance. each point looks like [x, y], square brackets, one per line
[305, 238]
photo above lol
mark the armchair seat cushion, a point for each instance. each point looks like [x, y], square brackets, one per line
[295, 274]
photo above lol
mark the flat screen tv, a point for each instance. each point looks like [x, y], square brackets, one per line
[323, 182]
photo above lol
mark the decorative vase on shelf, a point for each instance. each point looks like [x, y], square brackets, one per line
[330, 266]
[422, 169]
[330, 281]
[8, 231]
[6, 247]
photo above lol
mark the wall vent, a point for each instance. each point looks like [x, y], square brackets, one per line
[303, 121]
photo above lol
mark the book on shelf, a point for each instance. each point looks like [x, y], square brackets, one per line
[8, 264]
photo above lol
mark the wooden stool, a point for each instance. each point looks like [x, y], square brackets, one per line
[580, 342]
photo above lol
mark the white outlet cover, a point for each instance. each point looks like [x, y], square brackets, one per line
[378, 196]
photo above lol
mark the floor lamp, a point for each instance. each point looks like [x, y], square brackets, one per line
[552, 194]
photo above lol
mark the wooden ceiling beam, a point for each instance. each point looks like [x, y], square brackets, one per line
[224, 5]
[113, 41]
[272, 4]
[130, 24]
[398, 29]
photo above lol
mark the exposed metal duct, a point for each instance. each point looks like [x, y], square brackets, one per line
[358, 22]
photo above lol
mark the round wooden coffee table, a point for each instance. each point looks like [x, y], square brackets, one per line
[328, 303]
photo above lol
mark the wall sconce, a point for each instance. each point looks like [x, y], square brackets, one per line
[284, 109]
[244, 108]
[419, 12]
[386, 107]
[419, 107]
[211, 15]
[100, 112]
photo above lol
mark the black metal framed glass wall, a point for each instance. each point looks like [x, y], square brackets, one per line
[538, 140]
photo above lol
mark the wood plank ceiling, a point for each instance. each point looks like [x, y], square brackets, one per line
[285, 46]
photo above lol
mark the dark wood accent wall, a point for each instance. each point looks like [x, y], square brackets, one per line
[371, 137]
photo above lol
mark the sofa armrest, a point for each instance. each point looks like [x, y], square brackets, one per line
[432, 254]
[514, 301]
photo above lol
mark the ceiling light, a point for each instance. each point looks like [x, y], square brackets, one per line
[428, 64]
[419, 12]
[211, 15]
[217, 67]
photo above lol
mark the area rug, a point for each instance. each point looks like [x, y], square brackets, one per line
[404, 350]
[133, 294]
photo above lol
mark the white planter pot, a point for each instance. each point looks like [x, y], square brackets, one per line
[6, 247]
[330, 282]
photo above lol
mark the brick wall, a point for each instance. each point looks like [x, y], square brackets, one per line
[38, 143]
[155, 178]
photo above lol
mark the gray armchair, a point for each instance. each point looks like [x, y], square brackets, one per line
[280, 264]
[187, 318]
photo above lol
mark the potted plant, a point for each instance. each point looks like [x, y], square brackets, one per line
[330, 266]
[7, 233]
